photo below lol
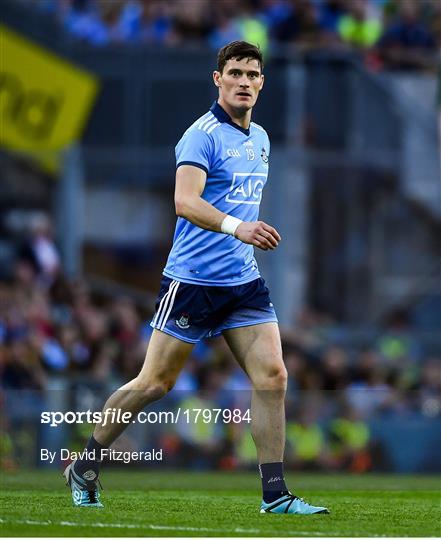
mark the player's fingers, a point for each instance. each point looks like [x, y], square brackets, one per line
[264, 242]
[272, 231]
[259, 244]
[266, 234]
[271, 239]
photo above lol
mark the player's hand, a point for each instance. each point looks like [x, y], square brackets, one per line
[259, 234]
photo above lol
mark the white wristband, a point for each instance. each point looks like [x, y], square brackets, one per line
[230, 224]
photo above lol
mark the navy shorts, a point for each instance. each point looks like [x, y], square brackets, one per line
[194, 312]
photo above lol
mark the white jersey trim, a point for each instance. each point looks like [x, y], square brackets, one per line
[207, 120]
[213, 127]
[257, 126]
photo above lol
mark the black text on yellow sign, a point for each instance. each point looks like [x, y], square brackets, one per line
[44, 100]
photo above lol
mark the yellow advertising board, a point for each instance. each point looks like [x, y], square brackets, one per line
[44, 100]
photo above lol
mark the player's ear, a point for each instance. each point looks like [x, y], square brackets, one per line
[216, 78]
[262, 81]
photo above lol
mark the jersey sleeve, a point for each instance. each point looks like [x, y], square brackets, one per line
[195, 148]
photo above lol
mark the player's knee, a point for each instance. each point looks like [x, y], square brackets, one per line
[156, 389]
[278, 377]
[275, 377]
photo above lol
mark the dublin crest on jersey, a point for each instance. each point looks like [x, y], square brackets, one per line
[264, 156]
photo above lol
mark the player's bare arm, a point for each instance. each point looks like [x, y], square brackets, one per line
[190, 184]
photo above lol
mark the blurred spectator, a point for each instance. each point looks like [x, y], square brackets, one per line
[82, 20]
[305, 439]
[368, 390]
[430, 387]
[336, 370]
[129, 23]
[238, 21]
[349, 442]
[301, 26]
[202, 442]
[396, 343]
[331, 12]
[274, 11]
[20, 367]
[40, 250]
[225, 30]
[360, 27]
[156, 22]
[295, 366]
[25, 272]
[252, 27]
[192, 24]
[407, 43]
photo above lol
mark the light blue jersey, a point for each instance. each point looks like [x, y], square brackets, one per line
[236, 162]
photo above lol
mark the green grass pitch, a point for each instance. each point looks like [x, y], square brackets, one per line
[143, 503]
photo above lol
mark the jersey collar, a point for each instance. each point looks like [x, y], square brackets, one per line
[223, 116]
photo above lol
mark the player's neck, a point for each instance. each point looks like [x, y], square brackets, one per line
[241, 118]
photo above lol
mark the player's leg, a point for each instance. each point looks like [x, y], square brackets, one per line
[163, 362]
[258, 350]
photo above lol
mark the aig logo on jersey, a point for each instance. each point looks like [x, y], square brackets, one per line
[246, 188]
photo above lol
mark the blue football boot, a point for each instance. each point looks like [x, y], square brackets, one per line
[84, 492]
[290, 504]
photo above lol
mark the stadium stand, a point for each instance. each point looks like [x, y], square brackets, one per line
[403, 34]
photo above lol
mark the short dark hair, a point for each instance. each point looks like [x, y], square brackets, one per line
[238, 50]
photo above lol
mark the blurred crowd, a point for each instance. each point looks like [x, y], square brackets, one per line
[52, 328]
[400, 34]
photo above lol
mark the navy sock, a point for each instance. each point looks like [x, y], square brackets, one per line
[88, 466]
[273, 482]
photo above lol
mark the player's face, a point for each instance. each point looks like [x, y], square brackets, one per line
[239, 83]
